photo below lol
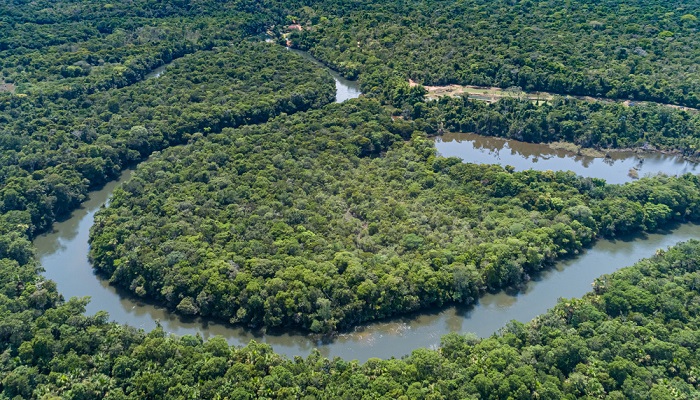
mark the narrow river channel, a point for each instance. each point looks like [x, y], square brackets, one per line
[345, 89]
[63, 254]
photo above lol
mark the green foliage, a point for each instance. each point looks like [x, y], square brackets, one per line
[639, 50]
[326, 219]
[340, 215]
[634, 336]
[57, 150]
[603, 125]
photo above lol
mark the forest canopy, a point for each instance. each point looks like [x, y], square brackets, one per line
[593, 124]
[640, 50]
[634, 337]
[54, 151]
[330, 218]
[258, 202]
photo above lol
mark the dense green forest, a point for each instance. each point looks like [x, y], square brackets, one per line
[643, 50]
[634, 337]
[301, 222]
[54, 151]
[64, 49]
[278, 209]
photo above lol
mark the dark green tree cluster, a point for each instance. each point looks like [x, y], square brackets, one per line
[53, 151]
[115, 60]
[27, 27]
[643, 50]
[326, 219]
[597, 124]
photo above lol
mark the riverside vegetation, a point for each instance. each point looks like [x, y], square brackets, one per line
[330, 217]
[326, 219]
[598, 125]
[54, 151]
[634, 337]
[641, 50]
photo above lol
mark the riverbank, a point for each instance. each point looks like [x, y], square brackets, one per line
[364, 338]
[63, 254]
[609, 153]
[387, 338]
[345, 89]
[492, 94]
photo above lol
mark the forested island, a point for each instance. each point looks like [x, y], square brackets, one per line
[259, 202]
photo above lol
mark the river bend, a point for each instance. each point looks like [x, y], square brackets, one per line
[64, 255]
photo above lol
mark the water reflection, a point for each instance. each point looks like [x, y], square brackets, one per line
[617, 168]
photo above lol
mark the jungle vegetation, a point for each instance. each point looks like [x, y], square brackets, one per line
[55, 151]
[634, 337]
[277, 209]
[330, 218]
[641, 50]
[592, 124]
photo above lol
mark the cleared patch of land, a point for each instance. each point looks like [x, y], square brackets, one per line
[493, 94]
[7, 87]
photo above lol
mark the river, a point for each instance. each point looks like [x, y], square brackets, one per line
[156, 73]
[63, 254]
[345, 89]
[614, 169]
